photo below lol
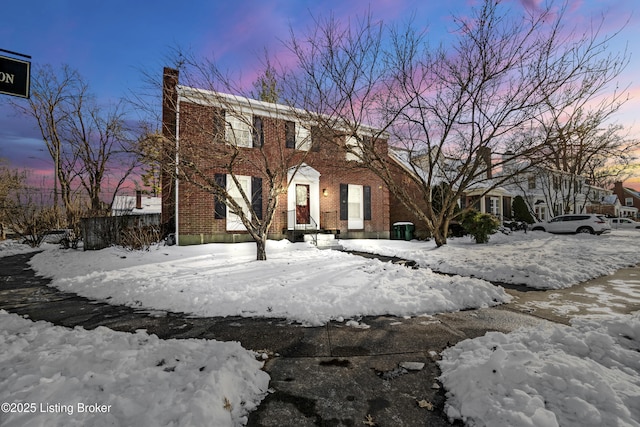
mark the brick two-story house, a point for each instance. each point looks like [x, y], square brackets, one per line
[329, 191]
[629, 199]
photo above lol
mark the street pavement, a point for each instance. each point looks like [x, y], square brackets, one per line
[334, 375]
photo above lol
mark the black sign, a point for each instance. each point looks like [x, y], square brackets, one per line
[15, 75]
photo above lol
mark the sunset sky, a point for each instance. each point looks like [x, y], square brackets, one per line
[111, 42]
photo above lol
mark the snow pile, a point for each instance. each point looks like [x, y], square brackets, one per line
[297, 282]
[13, 247]
[536, 259]
[587, 375]
[101, 377]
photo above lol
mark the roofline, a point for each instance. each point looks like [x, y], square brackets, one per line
[254, 106]
[631, 191]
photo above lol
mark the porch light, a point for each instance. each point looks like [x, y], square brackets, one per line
[325, 193]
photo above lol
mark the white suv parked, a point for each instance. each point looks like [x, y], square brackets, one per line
[575, 223]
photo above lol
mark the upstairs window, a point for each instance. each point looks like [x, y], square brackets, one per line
[531, 181]
[238, 131]
[297, 136]
[628, 201]
[354, 149]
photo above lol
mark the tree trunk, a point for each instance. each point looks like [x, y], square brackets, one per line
[440, 236]
[261, 248]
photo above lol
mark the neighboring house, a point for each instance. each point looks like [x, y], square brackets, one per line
[402, 168]
[496, 201]
[330, 193]
[136, 205]
[629, 199]
[549, 193]
[485, 196]
[610, 205]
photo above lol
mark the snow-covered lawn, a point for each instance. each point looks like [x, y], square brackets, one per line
[297, 282]
[55, 376]
[584, 375]
[536, 259]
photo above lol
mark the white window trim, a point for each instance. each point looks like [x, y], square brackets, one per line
[352, 143]
[237, 130]
[303, 137]
[355, 222]
[628, 201]
[494, 205]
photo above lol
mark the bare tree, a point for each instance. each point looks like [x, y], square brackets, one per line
[51, 93]
[11, 181]
[149, 148]
[447, 109]
[25, 210]
[582, 143]
[267, 88]
[221, 140]
[101, 140]
[83, 139]
[559, 192]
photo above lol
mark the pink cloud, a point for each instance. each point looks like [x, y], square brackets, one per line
[633, 183]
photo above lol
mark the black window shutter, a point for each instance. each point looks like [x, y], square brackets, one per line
[258, 132]
[366, 195]
[220, 209]
[506, 207]
[316, 138]
[344, 202]
[290, 134]
[218, 124]
[256, 196]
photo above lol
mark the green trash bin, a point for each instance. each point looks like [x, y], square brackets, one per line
[403, 230]
[408, 231]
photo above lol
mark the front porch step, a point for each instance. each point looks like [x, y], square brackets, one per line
[302, 235]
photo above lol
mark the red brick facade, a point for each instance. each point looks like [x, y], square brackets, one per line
[626, 196]
[195, 208]
[398, 212]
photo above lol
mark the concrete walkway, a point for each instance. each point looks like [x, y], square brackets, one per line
[333, 375]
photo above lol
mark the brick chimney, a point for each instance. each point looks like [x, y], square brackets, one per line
[485, 155]
[618, 188]
[138, 199]
[169, 131]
